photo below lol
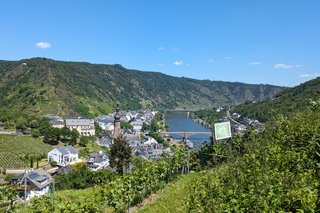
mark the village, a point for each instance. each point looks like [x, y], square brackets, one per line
[102, 130]
[37, 182]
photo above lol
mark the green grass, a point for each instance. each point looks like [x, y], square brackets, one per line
[173, 196]
[13, 148]
[90, 148]
[73, 195]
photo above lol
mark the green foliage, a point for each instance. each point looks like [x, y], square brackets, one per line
[98, 130]
[44, 86]
[125, 125]
[158, 121]
[84, 140]
[65, 134]
[51, 135]
[15, 151]
[82, 177]
[287, 102]
[157, 137]
[53, 163]
[117, 192]
[210, 116]
[120, 154]
[278, 171]
[35, 133]
[7, 198]
[74, 136]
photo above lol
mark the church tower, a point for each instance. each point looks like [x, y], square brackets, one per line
[117, 125]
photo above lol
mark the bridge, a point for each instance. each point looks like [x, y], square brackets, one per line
[186, 134]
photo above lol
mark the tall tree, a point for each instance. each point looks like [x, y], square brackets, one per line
[120, 154]
[74, 136]
[65, 133]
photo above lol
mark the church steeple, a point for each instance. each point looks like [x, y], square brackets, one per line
[117, 125]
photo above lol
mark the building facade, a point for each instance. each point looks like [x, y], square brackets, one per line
[63, 155]
[84, 126]
[32, 184]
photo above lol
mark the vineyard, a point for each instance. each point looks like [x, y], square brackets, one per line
[14, 149]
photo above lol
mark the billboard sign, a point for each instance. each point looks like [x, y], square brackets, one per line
[222, 130]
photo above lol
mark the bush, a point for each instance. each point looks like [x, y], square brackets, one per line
[53, 163]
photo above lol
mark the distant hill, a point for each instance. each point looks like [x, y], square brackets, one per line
[42, 86]
[286, 102]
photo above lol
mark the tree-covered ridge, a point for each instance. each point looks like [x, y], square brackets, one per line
[43, 86]
[286, 102]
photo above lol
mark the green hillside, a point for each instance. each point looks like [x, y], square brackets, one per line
[14, 150]
[286, 102]
[42, 86]
[276, 170]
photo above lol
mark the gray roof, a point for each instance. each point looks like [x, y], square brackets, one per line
[67, 149]
[57, 122]
[79, 122]
[97, 157]
[39, 177]
[105, 119]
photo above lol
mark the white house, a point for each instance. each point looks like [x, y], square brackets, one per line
[32, 184]
[98, 160]
[83, 126]
[65, 155]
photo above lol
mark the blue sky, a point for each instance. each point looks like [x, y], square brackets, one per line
[251, 41]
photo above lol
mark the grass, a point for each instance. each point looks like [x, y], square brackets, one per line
[173, 196]
[72, 194]
[90, 148]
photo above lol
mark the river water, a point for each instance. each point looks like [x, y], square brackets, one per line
[178, 121]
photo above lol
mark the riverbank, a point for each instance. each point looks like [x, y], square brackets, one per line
[200, 121]
[178, 121]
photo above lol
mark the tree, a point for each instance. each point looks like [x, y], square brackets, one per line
[126, 125]
[65, 133]
[44, 125]
[51, 135]
[35, 133]
[21, 124]
[84, 140]
[74, 136]
[98, 129]
[120, 153]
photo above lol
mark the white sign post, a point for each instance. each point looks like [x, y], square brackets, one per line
[222, 130]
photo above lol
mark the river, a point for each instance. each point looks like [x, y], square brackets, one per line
[178, 121]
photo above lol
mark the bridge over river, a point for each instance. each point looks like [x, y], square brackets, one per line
[186, 134]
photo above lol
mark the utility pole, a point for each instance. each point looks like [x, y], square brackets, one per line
[53, 190]
[25, 188]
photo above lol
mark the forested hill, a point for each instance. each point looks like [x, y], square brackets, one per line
[288, 101]
[42, 86]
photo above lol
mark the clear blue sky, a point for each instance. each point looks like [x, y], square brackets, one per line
[252, 41]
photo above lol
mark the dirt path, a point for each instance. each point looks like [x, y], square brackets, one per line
[151, 199]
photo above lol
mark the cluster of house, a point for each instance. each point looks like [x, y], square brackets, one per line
[244, 122]
[140, 142]
[135, 118]
[37, 182]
